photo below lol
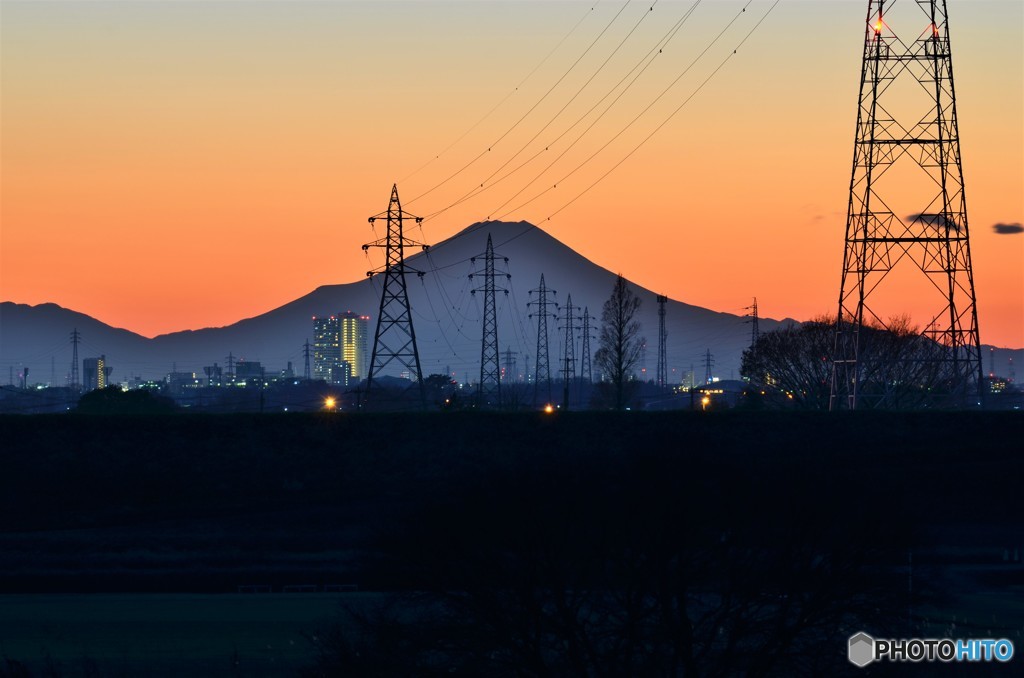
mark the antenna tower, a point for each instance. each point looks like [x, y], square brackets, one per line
[394, 340]
[906, 227]
[662, 376]
[542, 370]
[489, 391]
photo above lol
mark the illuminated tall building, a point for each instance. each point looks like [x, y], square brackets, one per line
[95, 373]
[326, 347]
[353, 342]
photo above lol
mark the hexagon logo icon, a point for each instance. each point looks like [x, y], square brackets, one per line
[861, 651]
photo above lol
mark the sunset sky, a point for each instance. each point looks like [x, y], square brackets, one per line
[178, 164]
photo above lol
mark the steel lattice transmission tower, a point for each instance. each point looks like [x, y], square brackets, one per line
[662, 375]
[586, 371]
[542, 369]
[569, 349]
[394, 340]
[305, 357]
[906, 227]
[755, 332]
[489, 390]
[76, 337]
[709, 362]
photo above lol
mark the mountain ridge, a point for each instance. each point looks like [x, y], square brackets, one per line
[446, 318]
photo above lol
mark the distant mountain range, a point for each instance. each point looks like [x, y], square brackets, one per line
[446, 318]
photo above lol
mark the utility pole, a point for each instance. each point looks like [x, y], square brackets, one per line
[569, 355]
[305, 356]
[662, 377]
[755, 333]
[489, 390]
[907, 138]
[76, 337]
[394, 340]
[542, 370]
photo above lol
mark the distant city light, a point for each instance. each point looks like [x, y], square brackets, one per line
[549, 408]
[330, 403]
[704, 402]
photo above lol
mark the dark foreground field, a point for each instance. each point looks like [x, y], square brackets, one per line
[575, 544]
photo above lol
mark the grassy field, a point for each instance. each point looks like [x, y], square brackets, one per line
[167, 634]
[123, 540]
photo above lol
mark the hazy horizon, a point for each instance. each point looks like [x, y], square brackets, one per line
[177, 165]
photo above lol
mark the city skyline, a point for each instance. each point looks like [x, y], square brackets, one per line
[253, 138]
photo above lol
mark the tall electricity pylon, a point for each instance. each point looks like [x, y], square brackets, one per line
[906, 227]
[662, 377]
[489, 391]
[542, 370]
[394, 340]
[709, 362]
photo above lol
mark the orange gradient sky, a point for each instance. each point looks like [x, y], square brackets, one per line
[174, 165]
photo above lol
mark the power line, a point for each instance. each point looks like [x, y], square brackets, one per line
[656, 129]
[532, 108]
[638, 146]
[477, 190]
[506, 97]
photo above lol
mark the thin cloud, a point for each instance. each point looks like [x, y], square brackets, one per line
[1008, 229]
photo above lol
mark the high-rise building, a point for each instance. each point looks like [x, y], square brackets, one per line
[95, 372]
[353, 342]
[326, 347]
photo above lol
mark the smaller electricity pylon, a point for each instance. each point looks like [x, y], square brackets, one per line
[489, 390]
[662, 377]
[542, 371]
[755, 332]
[570, 317]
